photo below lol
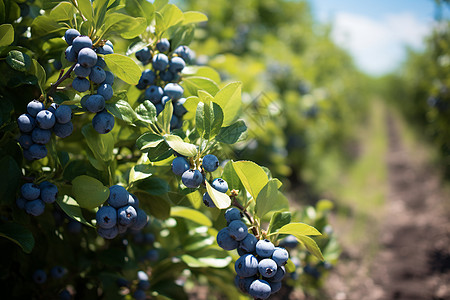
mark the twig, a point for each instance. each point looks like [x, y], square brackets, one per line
[53, 87]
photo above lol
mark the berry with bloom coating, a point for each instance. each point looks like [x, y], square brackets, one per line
[81, 42]
[246, 265]
[34, 106]
[267, 267]
[63, 130]
[81, 71]
[163, 45]
[118, 196]
[173, 91]
[126, 215]
[176, 64]
[248, 243]
[260, 289]
[106, 217]
[26, 122]
[232, 214]
[35, 207]
[225, 241]
[45, 119]
[220, 185]
[58, 272]
[95, 103]
[49, 192]
[36, 151]
[103, 122]
[25, 141]
[87, 57]
[41, 136]
[63, 114]
[105, 90]
[154, 93]
[210, 163]
[280, 256]
[98, 75]
[143, 55]
[264, 248]
[109, 233]
[207, 200]
[180, 165]
[39, 276]
[141, 219]
[238, 230]
[160, 62]
[70, 35]
[81, 84]
[192, 178]
[30, 191]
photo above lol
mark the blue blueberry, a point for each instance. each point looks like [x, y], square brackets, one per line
[49, 192]
[81, 71]
[249, 243]
[58, 272]
[126, 216]
[141, 219]
[279, 275]
[210, 163]
[122, 282]
[64, 295]
[105, 50]
[109, 78]
[33, 107]
[20, 202]
[98, 75]
[174, 121]
[36, 151]
[152, 255]
[142, 275]
[95, 103]
[164, 100]
[74, 226]
[154, 93]
[63, 130]
[101, 62]
[173, 90]
[81, 84]
[30, 191]
[238, 230]
[220, 185]
[103, 122]
[121, 229]
[25, 141]
[246, 265]
[118, 196]
[160, 62]
[180, 165]
[243, 283]
[163, 45]
[63, 114]
[232, 214]
[133, 200]
[289, 241]
[176, 64]
[159, 108]
[35, 207]
[280, 256]
[267, 267]
[26, 122]
[87, 57]
[264, 248]
[166, 76]
[207, 200]
[185, 53]
[192, 178]
[260, 289]
[139, 294]
[275, 286]
[70, 35]
[225, 241]
[41, 136]
[143, 55]
[82, 42]
[39, 276]
[70, 54]
[148, 77]
[105, 90]
[149, 238]
[45, 119]
[109, 233]
[178, 109]
[106, 217]
[109, 43]
[53, 107]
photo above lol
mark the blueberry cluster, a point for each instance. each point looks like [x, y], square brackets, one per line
[36, 127]
[160, 82]
[142, 286]
[33, 197]
[57, 272]
[260, 268]
[122, 213]
[90, 65]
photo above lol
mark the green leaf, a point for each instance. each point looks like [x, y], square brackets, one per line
[311, 246]
[89, 192]
[9, 178]
[18, 60]
[230, 99]
[208, 119]
[101, 145]
[190, 214]
[6, 35]
[191, 17]
[252, 176]
[86, 9]
[44, 25]
[63, 11]
[221, 200]
[140, 172]
[159, 207]
[18, 234]
[172, 15]
[195, 198]
[146, 112]
[270, 199]
[165, 116]
[178, 145]
[231, 177]
[191, 106]
[153, 186]
[278, 220]
[123, 67]
[100, 8]
[231, 134]
[140, 9]
[201, 71]
[38, 71]
[212, 261]
[298, 229]
[159, 153]
[72, 209]
[127, 26]
[122, 110]
[159, 4]
[193, 84]
[290, 266]
[148, 140]
[324, 205]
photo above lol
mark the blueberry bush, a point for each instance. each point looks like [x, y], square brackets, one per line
[117, 178]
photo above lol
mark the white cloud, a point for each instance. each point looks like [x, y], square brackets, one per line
[378, 45]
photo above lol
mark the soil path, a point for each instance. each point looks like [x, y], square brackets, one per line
[413, 261]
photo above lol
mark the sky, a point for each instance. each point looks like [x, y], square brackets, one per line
[376, 32]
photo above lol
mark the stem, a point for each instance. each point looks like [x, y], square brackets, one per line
[247, 215]
[53, 87]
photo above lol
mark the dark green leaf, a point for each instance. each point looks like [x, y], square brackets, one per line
[160, 152]
[63, 11]
[123, 67]
[179, 146]
[122, 110]
[86, 9]
[72, 209]
[278, 220]
[158, 207]
[153, 186]
[89, 192]
[270, 199]
[100, 8]
[18, 60]
[165, 116]
[6, 35]
[44, 25]
[148, 140]
[101, 145]
[38, 71]
[9, 178]
[19, 235]
[146, 112]
[231, 134]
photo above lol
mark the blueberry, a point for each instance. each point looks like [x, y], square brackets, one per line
[267, 267]
[105, 90]
[30, 191]
[275, 286]
[133, 201]
[25, 141]
[35, 207]
[149, 238]
[63, 130]
[163, 45]
[109, 233]
[148, 77]
[260, 289]
[109, 78]
[311, 270]
[81, 84]
[249, 243]
[126, 216]
[81, 71]
[225, 241]
[36, 151]
[143, 55]
[141, 219]
[246, 265]
[220, 185]
[174, 122]
[34, 106]
[159, 108]
[20, 202]
[109, 43]
[243, 283]
[53, 107]
[121, 229]
[95, 103]
[70, 54]
[49, 192]
[63, 114]
[152, 255]
[82, 42]
[264, 248]
[166, 76]
[176, 64]
[280, 256]
[238, 230]
[232, 214]
[58, 272]
[139, 295]
[173, 90]
[207, 200]
[74, 226]
[178, 109]
[210, 163]
[101, 62]
[70, 35]
[192, 178]
[26, 122]
[87, 57]
[279, 275]
[118, 196]
[105, 50]
[39, 276]
[98, 75]
[45, 119]
[160, 62]
[41, 136]
[180, 165]
[103, 122]
[289, 241]
[185, 53]
[154, 93]
[106, 217]
[164, 100]
[64, 295]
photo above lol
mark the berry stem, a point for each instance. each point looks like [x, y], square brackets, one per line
[53, 87]
[247, 215]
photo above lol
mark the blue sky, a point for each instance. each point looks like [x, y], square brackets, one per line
[376, 32]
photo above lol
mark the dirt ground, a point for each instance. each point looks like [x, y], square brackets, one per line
[413, 261]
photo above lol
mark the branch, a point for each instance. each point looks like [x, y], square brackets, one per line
[53, 87]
